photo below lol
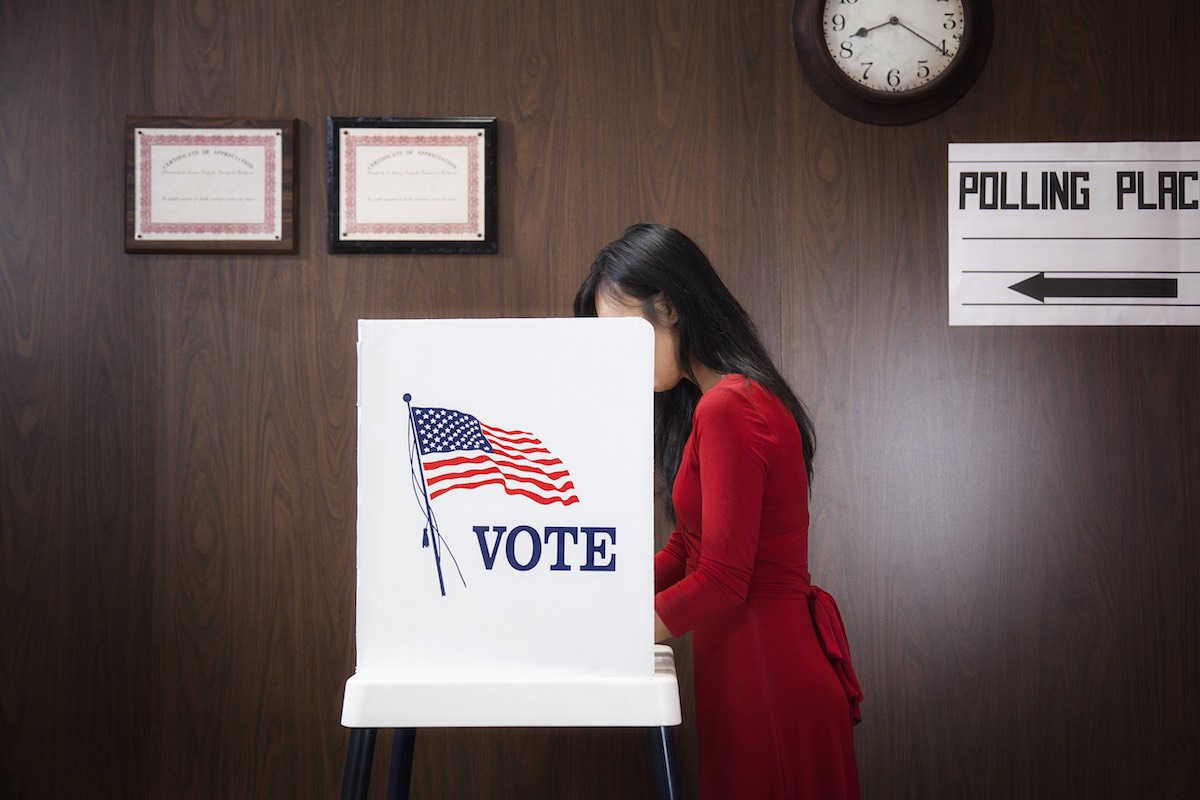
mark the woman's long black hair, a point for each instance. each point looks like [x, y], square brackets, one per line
[653, 260]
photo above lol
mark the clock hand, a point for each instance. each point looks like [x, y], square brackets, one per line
[862, 32]
[940, 49]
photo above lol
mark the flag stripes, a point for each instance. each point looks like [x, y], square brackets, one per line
[460, 452]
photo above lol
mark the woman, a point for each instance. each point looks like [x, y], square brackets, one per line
[773, 715]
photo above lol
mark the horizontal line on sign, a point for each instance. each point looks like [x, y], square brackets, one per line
[1080, 238]
[1051, 271]
[1104, 305]
[1078, 161]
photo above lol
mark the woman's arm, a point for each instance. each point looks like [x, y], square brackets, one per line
[669, 562]
[735, 449]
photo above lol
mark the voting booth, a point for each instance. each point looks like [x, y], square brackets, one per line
[505, 534]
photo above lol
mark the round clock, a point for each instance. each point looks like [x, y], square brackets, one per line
[891, 62]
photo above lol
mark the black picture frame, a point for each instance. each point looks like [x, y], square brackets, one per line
[412, 185]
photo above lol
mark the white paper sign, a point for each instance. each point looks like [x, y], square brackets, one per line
[1074, 233]
[505, 508]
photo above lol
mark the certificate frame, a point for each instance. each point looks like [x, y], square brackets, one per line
[412, 185]
[210, 185]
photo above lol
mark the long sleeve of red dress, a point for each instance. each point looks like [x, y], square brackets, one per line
[733, 448]
[669, 563]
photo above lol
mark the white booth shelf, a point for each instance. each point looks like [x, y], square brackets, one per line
[377, 700]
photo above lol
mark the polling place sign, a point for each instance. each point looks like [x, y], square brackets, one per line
[505, 498]
[1072, 233]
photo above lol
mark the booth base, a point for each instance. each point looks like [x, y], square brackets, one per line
[374, 701]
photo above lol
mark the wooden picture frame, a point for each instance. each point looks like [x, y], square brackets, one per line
[210, 185]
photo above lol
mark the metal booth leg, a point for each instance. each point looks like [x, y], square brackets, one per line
[662, 754]
[357, 777]
[400, 772]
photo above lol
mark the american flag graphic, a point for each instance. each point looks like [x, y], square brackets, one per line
[460, 452]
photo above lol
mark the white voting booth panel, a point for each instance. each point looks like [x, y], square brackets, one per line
[505, 526]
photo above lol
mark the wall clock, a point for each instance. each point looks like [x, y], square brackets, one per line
[891, 62]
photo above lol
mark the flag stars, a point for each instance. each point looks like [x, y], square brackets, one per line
[441, 430]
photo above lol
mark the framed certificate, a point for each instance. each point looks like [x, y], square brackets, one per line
[412, 185]
[209, 184]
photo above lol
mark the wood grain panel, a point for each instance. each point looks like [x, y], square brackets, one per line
[73, 532]
[1007, 516]
[34, 409]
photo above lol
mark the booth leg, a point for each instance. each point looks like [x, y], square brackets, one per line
[400, 773]
[357, 778]
[662, 753]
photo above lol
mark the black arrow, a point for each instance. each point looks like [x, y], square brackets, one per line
[1039, 287]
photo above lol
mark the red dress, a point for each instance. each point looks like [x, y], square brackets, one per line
[772, 717]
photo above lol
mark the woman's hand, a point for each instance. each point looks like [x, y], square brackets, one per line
[661, 632]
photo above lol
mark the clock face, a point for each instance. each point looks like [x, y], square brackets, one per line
[893, 48]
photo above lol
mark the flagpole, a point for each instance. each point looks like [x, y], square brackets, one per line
[431, 529]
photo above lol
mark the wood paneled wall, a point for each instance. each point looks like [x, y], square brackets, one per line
[1009, 516]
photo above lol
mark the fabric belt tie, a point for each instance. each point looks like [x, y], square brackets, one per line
[831, 632]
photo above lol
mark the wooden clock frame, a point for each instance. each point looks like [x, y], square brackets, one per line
[852, 100]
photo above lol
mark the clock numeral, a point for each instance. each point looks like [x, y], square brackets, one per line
[839, 22]
[866, 65]
[847, 2]
[893, 78]
[951, 23]
[847, 50]
[922, 69]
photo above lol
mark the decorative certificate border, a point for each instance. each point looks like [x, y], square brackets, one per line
[209, 184]
[424, 185]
